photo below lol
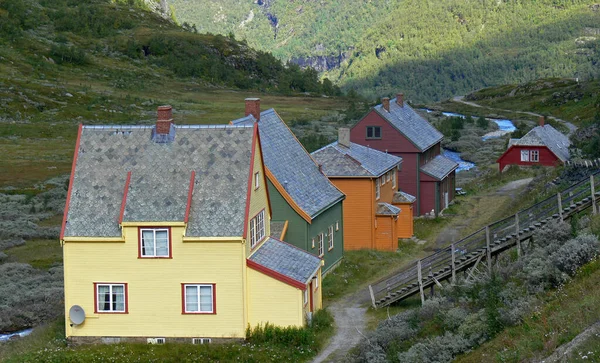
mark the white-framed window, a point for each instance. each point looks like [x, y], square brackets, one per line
[337, 225]
[199, 299]
[154, 242]
[321, 249]
[316, 283]
[373, 132]
[394, 173]
[313, 242]
[524, 155]
[256, 180]
[388, 176]
[535, 156]
[377, 189]
[257, 228]
[382, 179]
[330, 237]
[111, 298]
[305, 300]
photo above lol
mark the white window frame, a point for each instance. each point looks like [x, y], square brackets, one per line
[305, 299]
[377, 189]
[382, 179]
[100, 302]
[198, 295]
[337, 225]
[394, 174]
[256, 180]
[316, 284]
[321, 246]
[257, 228]
[313, 242]
[388, 176]
[525, 155]
[534, 156]
[144, 253]
[330, 238]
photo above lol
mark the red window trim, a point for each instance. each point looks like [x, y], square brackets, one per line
[111, 312]
[250, 229]
[154, 257]
[214, 287]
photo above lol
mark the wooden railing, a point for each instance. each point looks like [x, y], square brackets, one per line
[485, 242]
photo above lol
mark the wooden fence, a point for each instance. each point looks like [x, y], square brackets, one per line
[495, 238]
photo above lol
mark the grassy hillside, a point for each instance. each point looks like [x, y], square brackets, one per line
[429, 49]
[64, 62]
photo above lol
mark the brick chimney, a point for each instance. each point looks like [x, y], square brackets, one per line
[253, 107]
[344, 136]
[400, 99]
[542, 121]
[164, 120]
[386, 103]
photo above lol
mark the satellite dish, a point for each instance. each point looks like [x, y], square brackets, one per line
[76, 314]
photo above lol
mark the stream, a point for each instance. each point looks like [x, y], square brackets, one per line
[21, 334]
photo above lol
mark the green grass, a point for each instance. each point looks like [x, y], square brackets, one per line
[587, 351]
[41, 254]
[568, 311]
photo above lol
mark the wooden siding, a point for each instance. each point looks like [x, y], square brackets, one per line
[320, 224]
[428, 193]
[284, 310]
[391, 139]
[297, 227]
[258, 197]
[404, 225]
[154, 287]
[359, 212]
[512, 156]
[386, 238]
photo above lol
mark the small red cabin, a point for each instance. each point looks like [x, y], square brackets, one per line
[543, 145]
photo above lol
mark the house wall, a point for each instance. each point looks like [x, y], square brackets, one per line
[513, 157]
[297, 227]
[391, 139]
[408, 174]
[258, 198]
[154, 290]
[404, 224]
[428, 196]
[320, 224]
[284, 310]
[359, 212]
[386, 238]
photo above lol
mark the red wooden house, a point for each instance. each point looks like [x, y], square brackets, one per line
[394, 127]
[543, 145]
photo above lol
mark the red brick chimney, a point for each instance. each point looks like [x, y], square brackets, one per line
[542, 121]
[400, 99]
[164, 119]
[385, 102]
[253, 107]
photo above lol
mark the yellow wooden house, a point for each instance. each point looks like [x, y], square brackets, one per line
[166, 238]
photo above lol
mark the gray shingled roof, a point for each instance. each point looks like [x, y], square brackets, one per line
[420, 132]
[546, 136]
[292, 166]
[160, 179]
[277, 228]
[287, 260]
[356, 160]
[402, 197]
[439, 167]
[387, 209]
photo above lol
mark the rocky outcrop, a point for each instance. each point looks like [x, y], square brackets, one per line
[321, 62]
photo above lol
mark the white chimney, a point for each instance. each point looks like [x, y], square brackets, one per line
[344, 136]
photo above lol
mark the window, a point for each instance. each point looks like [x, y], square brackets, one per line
[394, 172]
[320, 244]
[337, 225]
[313, 242]
[257, 228]
[330, 237]
[256, 180]
[524, 155]
[316, 283]
[535, 156]
[373, 132]
[154, 242]
[111, 298]
[382, 179]
[199, 298]
[377, 189]
[388, 176]
[305, 296]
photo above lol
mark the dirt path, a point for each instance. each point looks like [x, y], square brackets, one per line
[572, 128]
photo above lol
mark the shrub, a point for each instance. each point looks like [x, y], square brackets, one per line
[454, 317]
[439, 349]
[576, 253]
[432, 307]
[475, 327]
[62, 53]
[595, 225]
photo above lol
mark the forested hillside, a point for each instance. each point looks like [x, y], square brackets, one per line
[430, 49]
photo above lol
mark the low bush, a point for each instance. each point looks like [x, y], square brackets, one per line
[575, 253]
[439, 349]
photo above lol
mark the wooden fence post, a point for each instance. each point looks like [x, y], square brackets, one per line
[594, 207]
[489, 250]
[372, 297]
[453, 266]
[560, 208]
[518, 238]
[420, 281]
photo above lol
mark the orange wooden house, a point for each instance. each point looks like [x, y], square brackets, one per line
[375, 213]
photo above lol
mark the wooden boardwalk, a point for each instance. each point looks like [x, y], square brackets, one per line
[468, 253]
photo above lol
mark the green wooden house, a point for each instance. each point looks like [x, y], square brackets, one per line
[306, 207]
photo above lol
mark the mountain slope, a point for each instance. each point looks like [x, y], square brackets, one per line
[431, 49]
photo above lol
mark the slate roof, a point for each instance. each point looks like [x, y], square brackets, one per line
[277, 228]
[356, 160]
[287, 260]
[160, 179]
[418, 130]
[291, 165]
[546, 136]
[439, 167]
[387, 209]
[402, 197]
